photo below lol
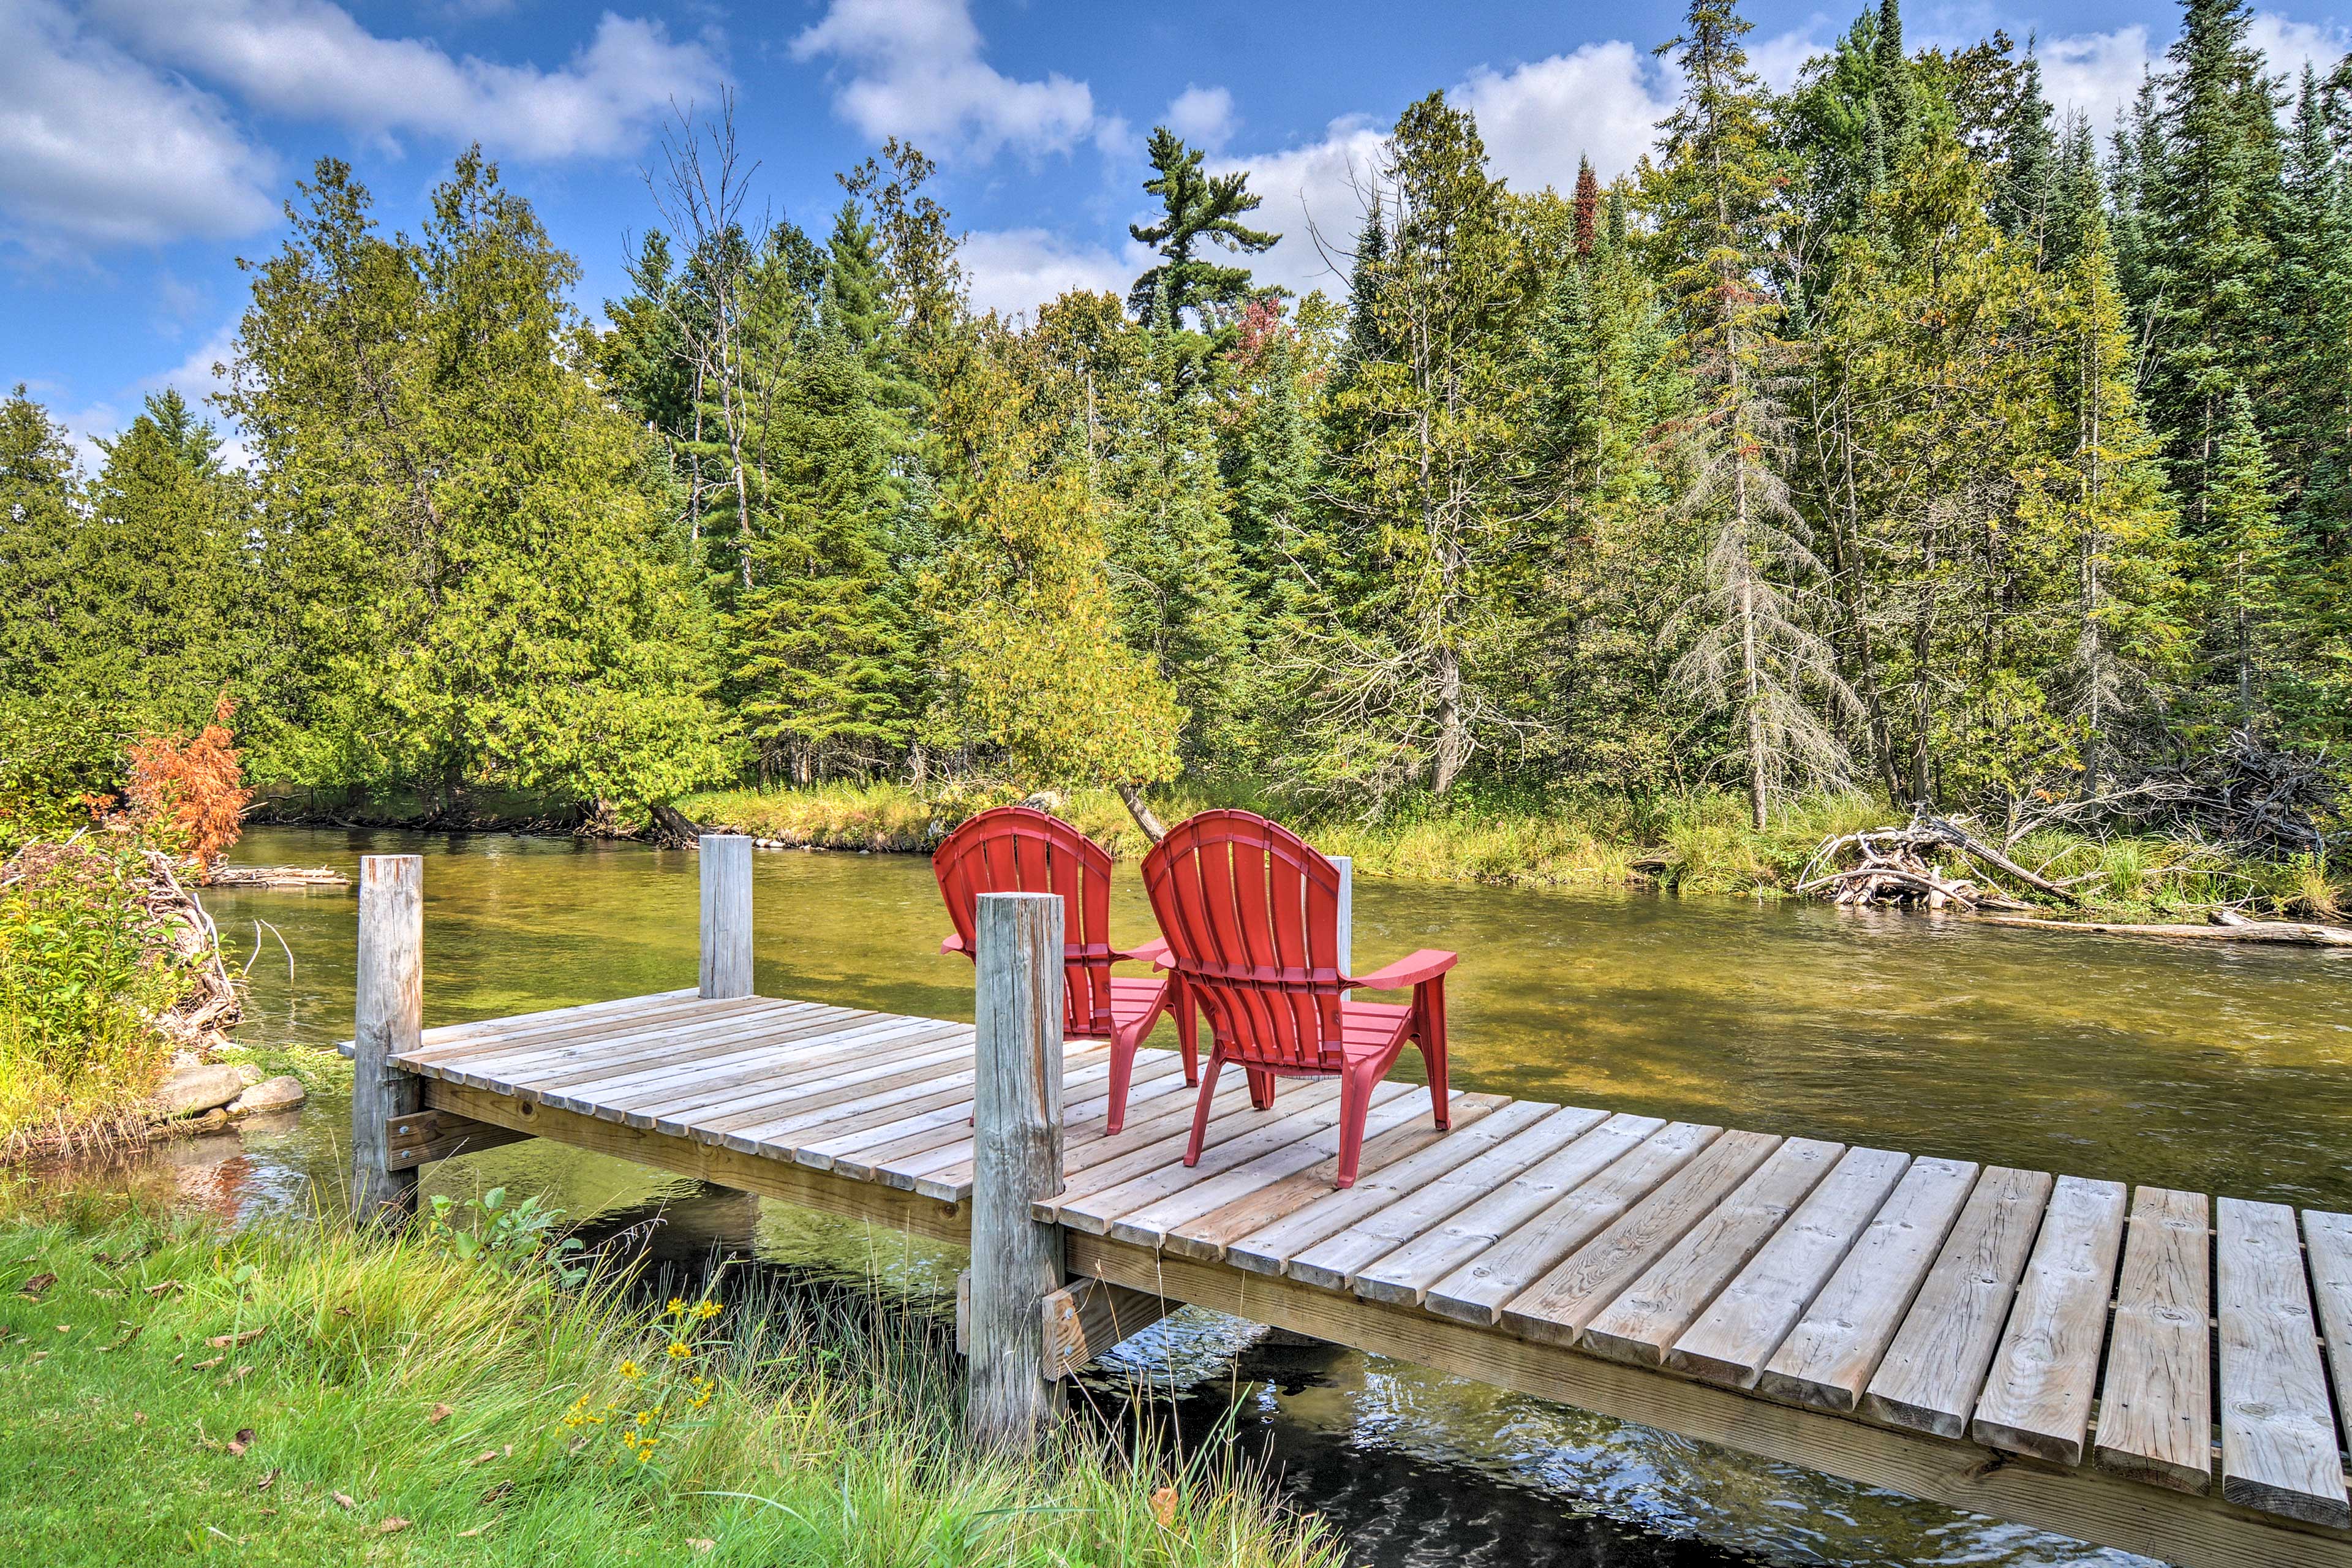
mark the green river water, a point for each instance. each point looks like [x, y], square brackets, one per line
[2218, 1066]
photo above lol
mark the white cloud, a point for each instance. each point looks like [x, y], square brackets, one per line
[1778, 60]
[2292, 44]
[913, 68]
[1601, 101]
[2095, 74]
[311, 59]
[202, 373]
[95, 146]
[1203, 116]
[1014, 270]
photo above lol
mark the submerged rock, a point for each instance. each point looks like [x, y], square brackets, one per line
[189, 1090]
[278, 1093]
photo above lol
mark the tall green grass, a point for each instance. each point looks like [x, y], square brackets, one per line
[301, 1395]
[1698, 843]
[80, 988]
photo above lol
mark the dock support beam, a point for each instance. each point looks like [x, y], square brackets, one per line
[726, 916]
[1016, 1160]
[390, 1020]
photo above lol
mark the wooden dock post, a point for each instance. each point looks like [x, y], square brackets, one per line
[726, 916]
[389, 1020]
[1016, 1160]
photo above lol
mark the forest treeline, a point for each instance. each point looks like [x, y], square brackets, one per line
[1891, 432]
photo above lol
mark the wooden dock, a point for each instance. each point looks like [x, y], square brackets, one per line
[2140, 1369]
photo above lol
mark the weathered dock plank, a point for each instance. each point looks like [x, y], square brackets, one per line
[2155, 1399]
[1669, 1296]
[1476, 1292]
[1738, 1332]
[1555, 1309]
[2037, 1397]
[1830, 1355]
[2279, 1450]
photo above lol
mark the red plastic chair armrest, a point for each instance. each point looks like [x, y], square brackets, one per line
[1152, 952]
[1412, 970]
[954, 944]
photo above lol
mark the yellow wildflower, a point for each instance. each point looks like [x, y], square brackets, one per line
[706, 1311]
[630, 1369]
[678, 1349]
[676, 1308]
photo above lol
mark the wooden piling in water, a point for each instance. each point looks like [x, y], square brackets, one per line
[1017, 1262]
[726, 916]
[389, 1018]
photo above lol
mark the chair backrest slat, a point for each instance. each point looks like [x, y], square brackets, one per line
[1251, 913]
[1019, 849]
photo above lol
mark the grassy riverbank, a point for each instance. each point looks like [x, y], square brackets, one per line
[1696, 843]
[298, 1396]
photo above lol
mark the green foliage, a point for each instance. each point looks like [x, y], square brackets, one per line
[1878, 431]
[466, 578]
[510, 1237]
[80, 987]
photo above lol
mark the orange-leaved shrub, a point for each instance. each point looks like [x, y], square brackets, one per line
[190, 796]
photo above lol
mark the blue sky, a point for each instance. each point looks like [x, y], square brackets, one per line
[146, 144]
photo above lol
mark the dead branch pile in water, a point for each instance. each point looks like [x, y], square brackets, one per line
[1905, 865]
[176, 930]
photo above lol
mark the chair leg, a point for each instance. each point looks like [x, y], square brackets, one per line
[1432, 1008]
[1355, 1106]
[1201, 1111]
[1261, 1085]
[1122, 1069]
[1188, 1029]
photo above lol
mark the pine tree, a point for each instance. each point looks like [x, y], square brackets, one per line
[2253, 562]
[2208, 182]
[1186, 289]
[163, 567]
[2310, 329]
[2103, 503]
[1752, 654]
[1588, 206]
[2025, 188]
[1422, 490]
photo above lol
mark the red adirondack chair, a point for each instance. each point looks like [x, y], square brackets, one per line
[1018, 849]
[1250, 913]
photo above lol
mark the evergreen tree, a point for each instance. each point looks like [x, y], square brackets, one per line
[2208, 177]
[2025, 189]
[2101, 503]
[1424, 489]
[2252, 563]
[1186, 287]
[1588, 206]
[161, 566]
[2309, 328]
[1752, 653]
[475, 585]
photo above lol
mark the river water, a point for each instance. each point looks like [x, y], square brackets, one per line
[2220, 1068]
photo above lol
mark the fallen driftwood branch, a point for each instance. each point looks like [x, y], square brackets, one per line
[277, 877]
[1893, 866]
[2294, 934]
